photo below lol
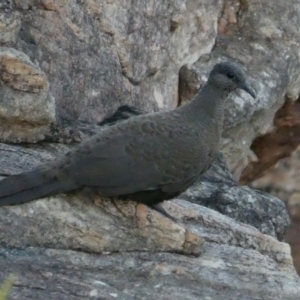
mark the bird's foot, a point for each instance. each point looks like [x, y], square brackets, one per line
[159, 208]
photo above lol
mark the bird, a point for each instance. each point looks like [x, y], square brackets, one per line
[148, 158]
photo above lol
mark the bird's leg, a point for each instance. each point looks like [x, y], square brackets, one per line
[159, 208]
[92, 195]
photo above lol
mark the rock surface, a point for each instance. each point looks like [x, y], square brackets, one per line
[282, 180]
[70, 275]
[218, 191]
[76, 63]
[99, 55]
[280, 142]
[27, 109]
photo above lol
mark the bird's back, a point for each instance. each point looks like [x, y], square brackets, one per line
[150, 152]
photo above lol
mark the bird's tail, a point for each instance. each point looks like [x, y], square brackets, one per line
[29, 186]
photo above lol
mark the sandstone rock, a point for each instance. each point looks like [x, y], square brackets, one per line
[217, 190]
[19, 73]
[27, 109]
[10, 24]
[282, 180]
[100, 55]
[277, 144]
[74, 275]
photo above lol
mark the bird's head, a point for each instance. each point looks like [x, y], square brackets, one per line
[229, 77]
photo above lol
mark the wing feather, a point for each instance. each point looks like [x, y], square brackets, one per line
[130, 161]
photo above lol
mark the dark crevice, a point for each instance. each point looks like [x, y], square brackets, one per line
[276, 145]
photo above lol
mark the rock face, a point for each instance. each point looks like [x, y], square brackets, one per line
[218, 191]
[99, 55]
[282, 180]
[26, 109]
[277, 144]
[66, 66]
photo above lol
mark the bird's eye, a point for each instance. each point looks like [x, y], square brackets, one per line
[230, 75]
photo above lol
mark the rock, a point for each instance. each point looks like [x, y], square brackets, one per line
[282, 180]
[27, 109]
[60, 239]
[131, 219]
[275, 164]
[19, 73]
[10, 24]
[292, 233]
[149, 275]
[101, 55]
[217, 190]
[277, 144]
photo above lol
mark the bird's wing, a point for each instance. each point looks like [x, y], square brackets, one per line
[125, 162]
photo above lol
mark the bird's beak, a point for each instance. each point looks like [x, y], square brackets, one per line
[246, 87]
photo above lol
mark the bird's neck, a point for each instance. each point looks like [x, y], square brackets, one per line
[205, 113]
[208, 106]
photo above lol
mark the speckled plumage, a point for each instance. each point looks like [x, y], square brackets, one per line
[148, 158]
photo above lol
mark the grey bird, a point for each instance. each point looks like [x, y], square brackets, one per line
[148, 158]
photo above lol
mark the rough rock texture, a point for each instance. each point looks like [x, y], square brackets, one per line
[262, 36]
[242, 204]
[92, 47]
[150, 275]
[279, 143]
[93, 57]
[27, 109]
[282, 180]
[10, 24]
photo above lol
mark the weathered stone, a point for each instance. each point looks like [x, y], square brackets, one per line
[10, 24]
[6, 4]
[19, 73]
[277, 144]
[124, 236]
[217, 190]
[25, 117]
[217, 274]
[27, 109]
[99, 55]
[234, 255]
[282, 180]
